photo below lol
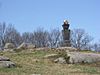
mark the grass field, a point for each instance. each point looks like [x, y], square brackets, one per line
[32, 62]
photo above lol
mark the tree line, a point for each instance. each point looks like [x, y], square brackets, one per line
[43, 38]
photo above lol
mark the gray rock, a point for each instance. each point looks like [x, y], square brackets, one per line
[9, 46]
[60, 60]
[26, 46]
[2, 58]
[22, 46]
[75, 57]
[79, 57]
[6, 64]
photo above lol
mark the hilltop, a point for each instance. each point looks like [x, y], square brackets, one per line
[30, 62]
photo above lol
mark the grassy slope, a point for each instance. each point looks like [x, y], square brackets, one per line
[32, 62]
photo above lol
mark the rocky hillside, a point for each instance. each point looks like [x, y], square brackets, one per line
[32, 62]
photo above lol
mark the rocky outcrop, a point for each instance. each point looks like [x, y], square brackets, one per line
[9, 46]
[74, 57]
[2, 58]
[26, 46]
[79, 57]
[60, 60]
[6, 63]
[22, 46]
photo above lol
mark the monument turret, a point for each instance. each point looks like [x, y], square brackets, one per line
[66, 34]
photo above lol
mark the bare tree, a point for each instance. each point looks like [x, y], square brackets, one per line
[28, 37]
[12, 35]
[41, 37]
[2, 33]
[54, 38]
[96, 47]
[80, 39]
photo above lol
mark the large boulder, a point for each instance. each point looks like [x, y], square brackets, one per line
[6, 63]
[74, 57]
[2, 58]
[9, 46]
[79, 57]
[26, 46]
[22, 46]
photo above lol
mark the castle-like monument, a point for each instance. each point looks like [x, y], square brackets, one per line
[66, 34]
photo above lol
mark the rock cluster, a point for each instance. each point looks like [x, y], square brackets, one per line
[12, 47]
[6, 63]
[75, 57]
[79, 57]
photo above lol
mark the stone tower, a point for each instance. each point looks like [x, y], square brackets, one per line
[66, 34]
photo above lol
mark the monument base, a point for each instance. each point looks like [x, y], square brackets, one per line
[66, 43]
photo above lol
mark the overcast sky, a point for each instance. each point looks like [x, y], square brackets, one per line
[28, 15]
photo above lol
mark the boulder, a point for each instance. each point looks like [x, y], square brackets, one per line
[6, 64]
[2, 58]
[60, 60]
[9, 46]
[74, 57]
[22, 46]
[26, 46]
[79, 57]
